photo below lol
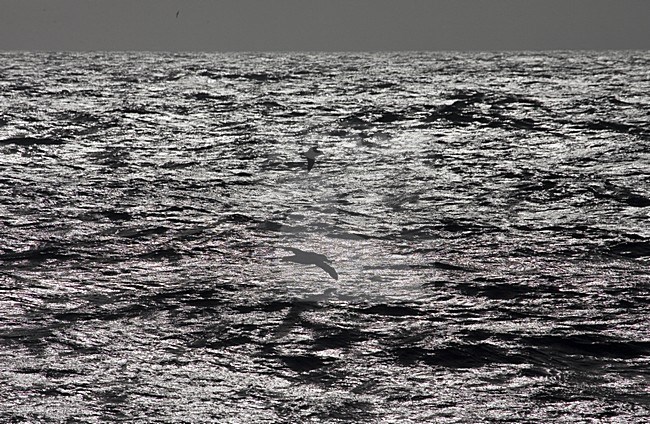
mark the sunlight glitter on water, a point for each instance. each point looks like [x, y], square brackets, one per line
[485, 214]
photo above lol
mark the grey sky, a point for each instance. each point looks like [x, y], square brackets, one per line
[331, 25]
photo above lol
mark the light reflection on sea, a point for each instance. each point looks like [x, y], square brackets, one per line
[486, 214]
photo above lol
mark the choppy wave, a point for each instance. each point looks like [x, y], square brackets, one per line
[486, 214]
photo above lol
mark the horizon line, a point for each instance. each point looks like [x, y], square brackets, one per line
[324, 51]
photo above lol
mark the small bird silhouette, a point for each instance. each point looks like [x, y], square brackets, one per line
[311, 155]
[311, 258]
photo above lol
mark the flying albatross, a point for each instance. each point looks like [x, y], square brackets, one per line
[310, 258]
[311, 157]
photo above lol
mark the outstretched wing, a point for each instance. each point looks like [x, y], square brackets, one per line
[331, 271]
[310, 164]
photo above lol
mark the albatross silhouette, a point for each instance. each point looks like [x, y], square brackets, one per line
[310, 258]
[311, 157]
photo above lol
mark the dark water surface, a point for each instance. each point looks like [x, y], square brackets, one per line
[487, 215]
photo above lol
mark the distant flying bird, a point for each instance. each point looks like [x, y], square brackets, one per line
[177, 12]
[310, 258]
[311, 157]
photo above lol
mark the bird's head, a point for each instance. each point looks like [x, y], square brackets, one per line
[315, 151]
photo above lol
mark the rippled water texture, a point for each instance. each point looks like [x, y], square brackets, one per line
[486, 214]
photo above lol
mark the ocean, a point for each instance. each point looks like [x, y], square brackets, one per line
[482, 220]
